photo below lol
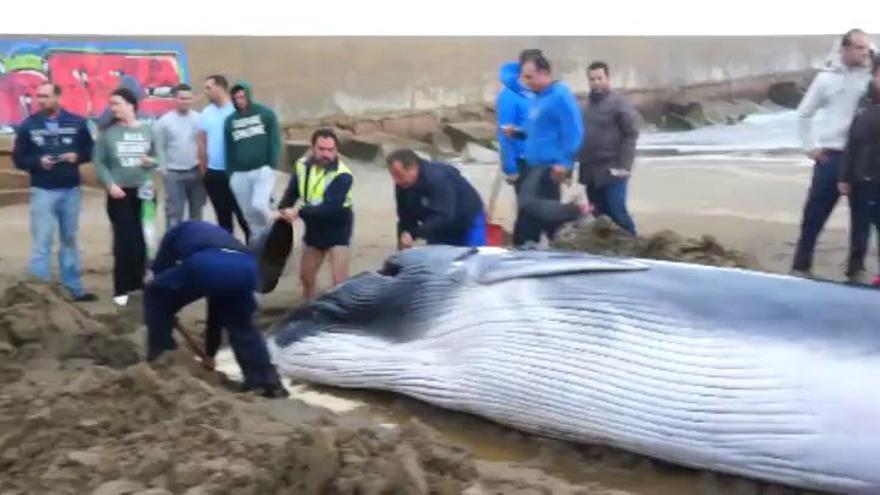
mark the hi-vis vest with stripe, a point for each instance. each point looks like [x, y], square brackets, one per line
[313, 182]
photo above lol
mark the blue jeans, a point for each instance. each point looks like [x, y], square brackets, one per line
[49, 206]
[611, 200]
[820, 203]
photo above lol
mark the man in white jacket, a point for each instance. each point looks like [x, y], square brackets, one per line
[826, 112]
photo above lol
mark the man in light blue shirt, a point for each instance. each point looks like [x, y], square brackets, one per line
[212, 154]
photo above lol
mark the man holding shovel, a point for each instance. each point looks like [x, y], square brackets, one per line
[198, 259]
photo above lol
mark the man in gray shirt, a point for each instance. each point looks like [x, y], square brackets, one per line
[606, 157]
[176, 135]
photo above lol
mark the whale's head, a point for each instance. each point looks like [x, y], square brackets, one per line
[402, 301]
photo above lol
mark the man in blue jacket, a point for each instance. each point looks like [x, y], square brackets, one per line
[435, 203]
[198, 259]
[554, 129]
[50, 146]
[512, 109]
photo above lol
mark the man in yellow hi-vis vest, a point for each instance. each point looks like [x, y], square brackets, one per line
[323, 184]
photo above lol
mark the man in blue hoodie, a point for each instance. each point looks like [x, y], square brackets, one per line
[554, 129]
[512, 110]
[50, 146]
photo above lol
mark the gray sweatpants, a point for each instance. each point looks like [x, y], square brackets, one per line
[183, 188]
[253, 193]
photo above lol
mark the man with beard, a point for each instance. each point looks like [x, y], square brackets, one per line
[323, 184]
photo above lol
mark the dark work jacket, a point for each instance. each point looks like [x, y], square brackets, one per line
[440, 207]
[33, 140]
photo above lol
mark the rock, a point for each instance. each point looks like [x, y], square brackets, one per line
[374, 147]
[676, 122]
[154, 491]
[473, 152]
[295, 150]
[419, 126]
[441, 143]
[366, 127]
[465, 132]
[787, 94]
[748, 107]
[118, 487]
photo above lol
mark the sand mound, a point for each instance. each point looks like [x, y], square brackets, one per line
[77, 417]
[37, 321]
[602, 236]
[102, 430]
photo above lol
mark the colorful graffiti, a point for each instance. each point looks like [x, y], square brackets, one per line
[87, 74]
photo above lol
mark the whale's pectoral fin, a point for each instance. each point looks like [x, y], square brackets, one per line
[523, 264]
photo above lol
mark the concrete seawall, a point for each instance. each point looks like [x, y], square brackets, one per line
[310, 77]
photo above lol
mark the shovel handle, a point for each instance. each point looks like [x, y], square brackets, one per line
[493, 196]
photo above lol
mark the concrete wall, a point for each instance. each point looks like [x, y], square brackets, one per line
[307, 77]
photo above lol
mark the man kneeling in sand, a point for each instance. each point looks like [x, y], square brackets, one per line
[197, 259]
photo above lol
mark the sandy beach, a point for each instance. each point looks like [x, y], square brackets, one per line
[748, 203]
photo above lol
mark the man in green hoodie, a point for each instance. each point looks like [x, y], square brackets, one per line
[253, 147]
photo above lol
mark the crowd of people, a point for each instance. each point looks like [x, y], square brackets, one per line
[228, 152]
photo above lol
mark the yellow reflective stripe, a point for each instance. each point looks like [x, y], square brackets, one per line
[313, 187]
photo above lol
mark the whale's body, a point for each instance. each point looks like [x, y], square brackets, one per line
[764, 376]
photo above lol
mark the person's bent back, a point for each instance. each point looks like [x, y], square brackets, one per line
[435, 203]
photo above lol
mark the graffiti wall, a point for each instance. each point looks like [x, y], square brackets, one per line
[87, 73]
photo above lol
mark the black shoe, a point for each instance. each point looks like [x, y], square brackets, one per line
[85, 297]
[274, 391]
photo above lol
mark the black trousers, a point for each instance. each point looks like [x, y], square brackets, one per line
[129, 246]
[225, 206]
[528, 228]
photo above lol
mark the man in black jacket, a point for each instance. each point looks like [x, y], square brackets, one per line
[609, 147]
[859, 176]
[50, 146]
[435, 203]
[539, 208]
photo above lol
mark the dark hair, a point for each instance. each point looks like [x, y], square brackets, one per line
[218, 80]
[406, 157]
[127, 95]
[324, 133]
[598, 64]
[56, 89]
[181, 87]
[527, 53]
[537, 58]
[847, 38]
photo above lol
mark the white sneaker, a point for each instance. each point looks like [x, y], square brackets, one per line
[121, 300]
